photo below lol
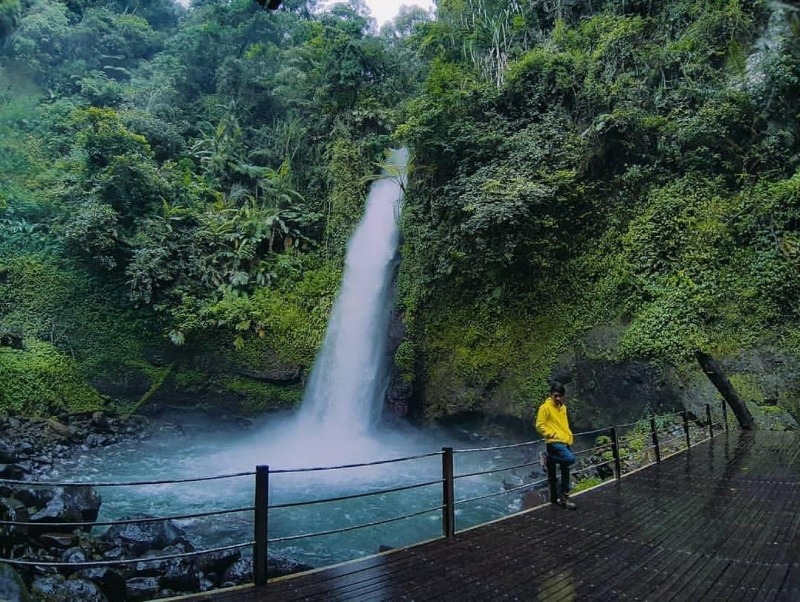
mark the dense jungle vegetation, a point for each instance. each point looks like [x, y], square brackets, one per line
[615, 180]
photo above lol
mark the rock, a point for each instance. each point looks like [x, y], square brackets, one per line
[217, 562]
[142, 588]
[13, 471]
[8, 454]
[73, 555]
[180, 577]
[511, 481]
[100, 421]
[55, 588]
[12, 509]
[56, 540]
[98, 440]
[62, 430]
[110, 582]
[24, 448]
[141, 537]
[239, 572]
[115, 553]
[12, 588]
[278, 566]
[68, 504]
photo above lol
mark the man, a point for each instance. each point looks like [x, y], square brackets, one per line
[553, 424]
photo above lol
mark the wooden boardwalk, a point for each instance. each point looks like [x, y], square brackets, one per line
[720, 521]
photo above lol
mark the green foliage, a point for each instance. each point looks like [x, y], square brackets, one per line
[259, 397]
[577, 164]
[586, 483]
[35, 298]
[9, 17]
[472, 353]
[348, 167]
[41, 381]
[291, 318]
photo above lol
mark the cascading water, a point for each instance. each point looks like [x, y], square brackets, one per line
[344, 395]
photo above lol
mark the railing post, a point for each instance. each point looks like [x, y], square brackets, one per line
[654, 432]
[615, 452]
[261, 526]
[710, 423]
[725, 414]
[448, 493]
[686, 428]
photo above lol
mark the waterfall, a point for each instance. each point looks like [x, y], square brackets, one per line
[767, 47]
[344, 396]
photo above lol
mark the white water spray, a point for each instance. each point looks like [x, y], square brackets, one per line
[344, 396]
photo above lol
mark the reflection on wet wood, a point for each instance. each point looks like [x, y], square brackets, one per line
[720, 522]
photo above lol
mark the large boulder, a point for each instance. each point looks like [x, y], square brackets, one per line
[72, 503]
[141, 537]
[12, 588]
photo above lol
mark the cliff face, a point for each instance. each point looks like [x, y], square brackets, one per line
[605, 390]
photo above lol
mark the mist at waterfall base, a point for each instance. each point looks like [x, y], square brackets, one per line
[339, 423]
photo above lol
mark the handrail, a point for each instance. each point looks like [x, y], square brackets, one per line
[123, 483]
[497, 447]
[498, 493]
[706, 425]
[361, 465]
[354, 527]
[355, 495]
[125, 521]
[491, 470]
[128, 560]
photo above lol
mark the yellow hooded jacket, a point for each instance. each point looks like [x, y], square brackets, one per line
[552, 422]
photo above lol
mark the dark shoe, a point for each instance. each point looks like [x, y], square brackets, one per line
[567, 503]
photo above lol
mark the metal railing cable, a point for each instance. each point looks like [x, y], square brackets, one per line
[126, 521]
[497, 447]
[360, 465]
[594, 432]
[666, 442]
[630, 424]
[124, 483]
[147, 559]
[603, 446]
[354, 527]
[354, 496]
[493, 470]
[499, 493]
[592, 466]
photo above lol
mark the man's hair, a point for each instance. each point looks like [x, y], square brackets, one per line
[557, 387]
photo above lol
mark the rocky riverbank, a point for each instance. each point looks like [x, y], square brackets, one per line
[28, 451]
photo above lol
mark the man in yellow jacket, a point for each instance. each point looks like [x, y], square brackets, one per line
[553, 424]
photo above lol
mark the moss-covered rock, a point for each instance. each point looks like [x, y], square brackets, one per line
[40, 380]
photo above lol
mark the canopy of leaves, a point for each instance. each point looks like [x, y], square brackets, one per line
[576, 163]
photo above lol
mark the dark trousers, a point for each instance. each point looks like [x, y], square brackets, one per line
[559, 454]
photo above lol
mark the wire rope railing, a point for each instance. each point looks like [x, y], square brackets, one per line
[617, 449]
[376, 523]
[127, 521]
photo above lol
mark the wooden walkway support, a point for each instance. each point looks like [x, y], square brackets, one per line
[720, 521]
